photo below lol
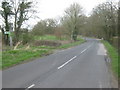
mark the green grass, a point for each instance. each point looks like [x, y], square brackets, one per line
[49, 37]
[0, 35]
[113, 54]
[71, 44]
[14, 57]
[0, 59]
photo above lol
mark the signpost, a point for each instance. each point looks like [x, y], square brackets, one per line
[11, 30]
[9, 34]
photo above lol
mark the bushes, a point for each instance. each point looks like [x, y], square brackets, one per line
[27, 38]
[115, 42]
[47, 43]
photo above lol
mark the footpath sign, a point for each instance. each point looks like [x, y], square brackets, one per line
[7, 32]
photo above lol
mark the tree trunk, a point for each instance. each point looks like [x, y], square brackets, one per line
[3, 36]
[7, 29]
[119, 28]
[15, 29]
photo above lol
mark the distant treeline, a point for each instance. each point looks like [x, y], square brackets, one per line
[103, 23]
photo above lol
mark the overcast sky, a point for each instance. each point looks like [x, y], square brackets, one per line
[55, 8]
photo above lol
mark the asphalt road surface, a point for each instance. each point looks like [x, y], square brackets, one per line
[83, 66]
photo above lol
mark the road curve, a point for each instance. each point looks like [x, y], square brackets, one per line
[82, 66]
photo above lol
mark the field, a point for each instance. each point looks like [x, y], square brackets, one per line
[49, 37]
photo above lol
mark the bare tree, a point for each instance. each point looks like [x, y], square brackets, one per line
[119, 27]
[104, 18]
[46, 26]
[22, 10]
[5, 13]
[71, 20]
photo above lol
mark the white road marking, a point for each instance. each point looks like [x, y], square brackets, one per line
[90, 45]
[31, 86]
[73, 58]
[66, 62]
[84, 50]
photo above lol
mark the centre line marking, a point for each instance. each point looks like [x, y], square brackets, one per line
[66, 62]
[83, 50]
[86, 48]
[72, 58]
[31, 86]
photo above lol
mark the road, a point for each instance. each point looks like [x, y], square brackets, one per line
[83, 66]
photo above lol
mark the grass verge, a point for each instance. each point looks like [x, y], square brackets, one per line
[14, 57]
[113, 54]
[0, 59]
